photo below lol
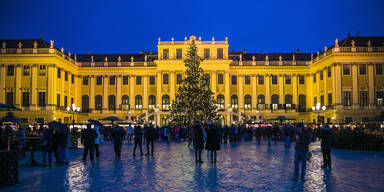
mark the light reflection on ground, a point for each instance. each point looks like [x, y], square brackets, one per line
[242, 167]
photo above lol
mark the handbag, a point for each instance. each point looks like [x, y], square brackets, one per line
[308, 155]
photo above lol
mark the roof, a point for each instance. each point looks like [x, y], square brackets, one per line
[376, 41]
[27, 43]
[272, 56]
[140, 57]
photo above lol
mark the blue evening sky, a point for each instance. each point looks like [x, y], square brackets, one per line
[108, 26]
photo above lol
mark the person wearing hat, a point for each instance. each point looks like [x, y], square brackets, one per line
[327, 138]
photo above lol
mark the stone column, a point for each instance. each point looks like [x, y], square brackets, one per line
[333, 71]
[213, 83]
[318, 86]
[92, 92]
[172, 85]
[338, 93]
[227, 91]
[158, 91]
[325, 79]
[132, 92]
[371, 86]
[281, 88]
[310, 94]
[145, 95]
[355, 87]
[63, 88]
[254, 93]
[118, 93]
[267, 83]
[18, 85]
[105, 93]
[34, 87]
[51, 86]
[2, 83]
[294, 91]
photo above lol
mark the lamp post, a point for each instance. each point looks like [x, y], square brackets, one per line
[318, 109]
[73, 110]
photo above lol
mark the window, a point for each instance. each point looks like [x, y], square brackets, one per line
[247, 79]
[363, 69]
[66, 75]
[59, 73]
[288, 102]
[10, 70]
[260, 102]
[314, 78]
[321, 75]
[42, 99]
[125, 79]
[330, 99]
[125, 103]
[301, 79]
[379, 98]
[9, 98]
[220, 102]
[322, 100]
[98, 102]
[152, 102]
[220, 54]
[111, 102]
[363, 98]
[287, 79]
[220, 78]
[179, 78]
[379, 69]
[166, 103]
[26, 70]
[365, 119]
[329, 70]
[152, 80]
[234, 102]
[85, 103]
[65, 101]
[42, 70]
[247, 102]
[274, 79]
[85, 80]
[165, 78]
[275, 102]
[138, 80]
[302, 103]
[58, 103]
[207, 77]
[179, 53]
[73, 79]
[165, 53]
[346, 69]
[112, 80]
[138, 102]
[347, 98]
[261, 80]
[234, 80]
[206, 53]
[25, 99]
[99, 80]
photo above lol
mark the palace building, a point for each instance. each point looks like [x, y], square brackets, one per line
[41, 79]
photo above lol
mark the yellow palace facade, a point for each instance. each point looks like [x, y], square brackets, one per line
[42, 80]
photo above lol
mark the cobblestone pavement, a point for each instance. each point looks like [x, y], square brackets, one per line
[247, 166]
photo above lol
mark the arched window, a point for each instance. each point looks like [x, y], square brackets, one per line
[85, 103]
[125, 102]
[111, 102]
[234, 102]
[288, 101]
[165, 102]
[261, 102]
[302, 103]
[138, 102]
[151, 102]
[247, 102]
[220, 102]
[275, 101]
[98, 102]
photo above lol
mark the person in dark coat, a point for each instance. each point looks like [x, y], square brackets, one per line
[61, 142]
[150, 137]
[303, 139]
[138, 139]
[213, 141]
[327, 138]
[198, 141]
[47, 145]
[268, 133]
[88, 137]
[117, 136]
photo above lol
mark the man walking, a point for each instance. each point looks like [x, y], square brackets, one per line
[150, 137]
[327, 138]
[88, 137]
[303, 139]
[138, 139]
[118, 134]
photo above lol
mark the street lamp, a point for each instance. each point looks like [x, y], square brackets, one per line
[73, 110]
[318, 109]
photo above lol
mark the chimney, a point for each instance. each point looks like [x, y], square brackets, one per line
[358, 34]
[297, 51]
[349, 34]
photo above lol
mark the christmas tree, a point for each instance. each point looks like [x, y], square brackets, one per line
[194, 98]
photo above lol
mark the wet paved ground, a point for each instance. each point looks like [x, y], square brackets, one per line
[241, 167]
